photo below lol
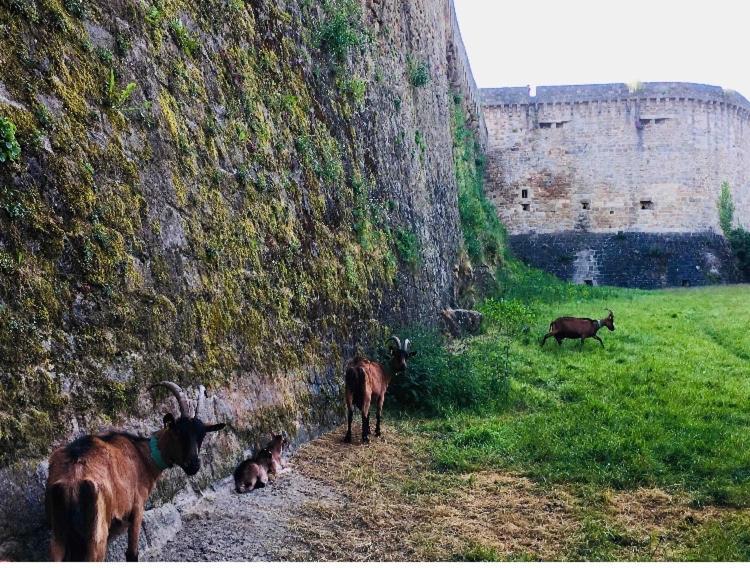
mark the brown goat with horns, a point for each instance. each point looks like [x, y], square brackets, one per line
[366, 383]
[579, 328]
[98, 485]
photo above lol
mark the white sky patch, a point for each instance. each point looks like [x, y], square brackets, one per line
[546, 42]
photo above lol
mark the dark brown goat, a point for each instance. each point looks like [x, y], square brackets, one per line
[98, 485]
[366, 383]
[579, 328]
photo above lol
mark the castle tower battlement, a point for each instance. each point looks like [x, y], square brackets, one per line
[579, 164]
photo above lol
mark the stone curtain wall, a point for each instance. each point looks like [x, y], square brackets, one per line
[629, 259]
[462, 79]
[608, 159]
[250, 213]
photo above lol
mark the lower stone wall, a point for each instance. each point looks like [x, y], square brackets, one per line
[629, 259]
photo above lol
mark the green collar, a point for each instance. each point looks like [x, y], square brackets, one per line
[156, 454]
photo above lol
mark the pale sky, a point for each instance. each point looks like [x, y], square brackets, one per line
[546, 42]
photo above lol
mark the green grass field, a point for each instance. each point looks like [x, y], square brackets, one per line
[665, 404]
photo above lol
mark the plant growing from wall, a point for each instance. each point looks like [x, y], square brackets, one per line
[76, 8]
[183, 38]
[409, 250]
[484, 236]
[341, 28]
[9, 148]
[419, 73]
[114, 97]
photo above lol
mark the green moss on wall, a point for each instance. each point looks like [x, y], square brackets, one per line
[484, 235]
[215, 217]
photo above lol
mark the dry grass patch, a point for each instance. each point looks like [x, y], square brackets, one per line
[398, 509]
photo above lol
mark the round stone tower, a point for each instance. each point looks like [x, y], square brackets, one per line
[611, 184]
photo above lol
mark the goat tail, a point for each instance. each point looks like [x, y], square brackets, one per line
[72, 516]
[355, 384]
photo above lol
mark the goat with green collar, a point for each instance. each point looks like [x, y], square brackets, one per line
[98, 485]
[579, 328]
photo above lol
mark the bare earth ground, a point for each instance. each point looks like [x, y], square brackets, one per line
[383, 502]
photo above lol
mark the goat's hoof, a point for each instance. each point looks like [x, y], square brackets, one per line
[347, 439]
[365, 440]
[131, 557]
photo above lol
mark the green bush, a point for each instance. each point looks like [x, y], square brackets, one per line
[419, 73]
[409, 250]
[341, 28]
[739, 242]
[738, 238]
[183, 38]
[9, 148]
[439, 381]
[26, 8]
[76, 8]
[355, 88]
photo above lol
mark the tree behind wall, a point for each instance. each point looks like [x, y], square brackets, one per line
[738, 237]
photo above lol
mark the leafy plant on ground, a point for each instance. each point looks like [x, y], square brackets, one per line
[9, 147]
[440, 381]
[739, 242]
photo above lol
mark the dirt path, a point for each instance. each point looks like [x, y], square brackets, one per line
[250, 527]
[383, 502]
[379, 499]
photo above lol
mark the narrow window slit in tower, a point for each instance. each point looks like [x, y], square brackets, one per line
[545, 125]
[585, 205]
[525, 206]
[647, 204]
[524, 193]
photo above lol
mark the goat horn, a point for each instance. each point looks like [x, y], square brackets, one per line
[610, 311]
[394, 338]
[178, 394]
[406, 344]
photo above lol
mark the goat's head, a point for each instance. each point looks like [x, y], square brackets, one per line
[184, 435]
[399, 353]
[279, 442]
[609, 321]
